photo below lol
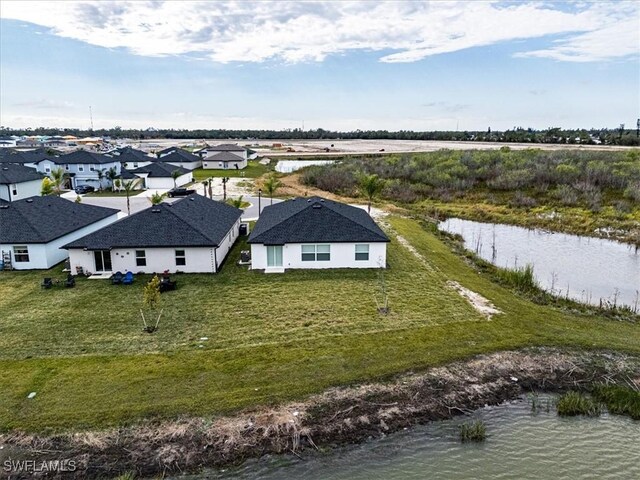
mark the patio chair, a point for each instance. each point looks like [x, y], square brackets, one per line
[46, 283]
[116, 278]
[167, 284]
[70, 282]
[128, 278]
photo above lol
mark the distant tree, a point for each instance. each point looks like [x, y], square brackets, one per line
[129, 186]
[112, 174]
[175, 175]
[271, 185]
[370, 187]
[58, 178]
[101, 175]
[236, 202]
[47, 187]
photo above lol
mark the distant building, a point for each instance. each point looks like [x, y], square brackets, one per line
[224, 157]
[18, 182]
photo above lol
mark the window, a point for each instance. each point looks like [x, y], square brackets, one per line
[66, 167]
[47, 169]
[141, 258]
[14, 191]
[181, 257]
[135, 165]
[362, 251]
[20, 253]
[80, 168]
[312, 253]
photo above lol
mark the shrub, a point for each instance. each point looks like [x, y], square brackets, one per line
[566, 195]
[473, 431]
[521, 278]
[521, 200]
[632, 192]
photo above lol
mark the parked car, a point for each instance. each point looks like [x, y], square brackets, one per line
[180, 192]
[84, 189]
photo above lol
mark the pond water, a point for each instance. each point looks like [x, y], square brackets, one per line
[288, 166]
[520, 444]
[583, 268]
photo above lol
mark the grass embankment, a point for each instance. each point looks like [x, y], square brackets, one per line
[253, 169]
[271, 338]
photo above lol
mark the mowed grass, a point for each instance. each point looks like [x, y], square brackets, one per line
[272, 338]
[253, 169]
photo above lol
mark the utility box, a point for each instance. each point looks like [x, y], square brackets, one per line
[244, 229]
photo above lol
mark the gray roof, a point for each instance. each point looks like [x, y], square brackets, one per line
[194, 221]
[25, 157]
[130, 153]
[14, 173]
[314, 219]
[225, 157]
[180, 155]
[130, 158]
[159, 169]
[83, 157]
[43, 219]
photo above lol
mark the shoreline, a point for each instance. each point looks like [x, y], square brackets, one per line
[337, 417]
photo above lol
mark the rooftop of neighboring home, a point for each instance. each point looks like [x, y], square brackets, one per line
[83, 157]
[225, 147]
[11, 173]
[167, 151]
[315, 219]
[181, 156]
[130, 153]
[43, 219]
[194, 221]
[225, 157]
[32, 156]
[159, 169]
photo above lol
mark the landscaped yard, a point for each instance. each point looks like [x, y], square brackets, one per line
[270, 337]
[254, 169]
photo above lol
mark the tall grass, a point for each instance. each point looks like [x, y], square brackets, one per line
[618, 399]
[520, 278]
[576, 403]
[473, 431]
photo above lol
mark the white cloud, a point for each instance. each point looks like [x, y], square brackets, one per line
[310, 31]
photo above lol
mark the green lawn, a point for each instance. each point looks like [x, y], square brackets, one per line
[254, 169]
[270, 337]
[110, 193]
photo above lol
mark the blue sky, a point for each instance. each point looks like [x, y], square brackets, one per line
[399, 65]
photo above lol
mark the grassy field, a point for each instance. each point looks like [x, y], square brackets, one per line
[271, 338]
[254, 169]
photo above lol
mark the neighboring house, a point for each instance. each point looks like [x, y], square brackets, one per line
[191, 235]
[166, 151]
[316, 233]
[7, 142]
[18, 182]
[82, 168]
[131, 161]
[158, 175]
[34, 229]
[224, 157]
[182, 158]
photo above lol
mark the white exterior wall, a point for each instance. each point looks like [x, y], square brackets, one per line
[187, 165]
[84, 177]
[215, 165]
[23, 190]
[227, 243]
[46, 255]
[167, 182]
[342, 256]
[134, 165]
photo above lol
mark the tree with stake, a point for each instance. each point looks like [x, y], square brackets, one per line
[370, 187]
[271, 185]
[151, 302]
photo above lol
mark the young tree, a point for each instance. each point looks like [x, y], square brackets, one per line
[175, 174]
[236, 202]
[157, 198]
[101, 174]
[117, 183]
[370, 187]
[58, 178]
[47, 187]
[111, 176]
[151, 303]
[129, 186]
[271, 185]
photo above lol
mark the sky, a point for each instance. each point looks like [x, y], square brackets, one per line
[334, 65]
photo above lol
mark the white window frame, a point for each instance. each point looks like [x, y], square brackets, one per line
[81, 168]
[182, 257]
[313, 252]
[19, 252]
[362, 249]
[142, 257]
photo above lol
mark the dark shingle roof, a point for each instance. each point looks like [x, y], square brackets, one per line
[130, 159]
[194, 221]
[127, 175]
[83, 157]
[131, 153]
[159, 169]
[166, 151]
[225, 157]
[14, 173]
[306, 220]
[180, 156]
[25, 157]
[43, 219]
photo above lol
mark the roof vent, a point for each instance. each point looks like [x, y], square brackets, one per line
[322, 200]
[29, 200]
[309, 200]
[192, 199]
[4, 206]
[5, 168]
[316, 205]
[155, 210]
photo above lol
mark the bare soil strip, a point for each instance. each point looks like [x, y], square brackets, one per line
[477, 301]
[336, 417]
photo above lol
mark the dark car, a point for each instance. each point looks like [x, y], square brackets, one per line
[180, 192]
[84, 189]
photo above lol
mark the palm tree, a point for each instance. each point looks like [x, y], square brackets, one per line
[100, 173]
[129, 186]
[157, 198]
[111, 176]
[57, 180]
[236, 202]
[204, 184]
[370, 187]
[47, 187]
[175, 174]
[271, 185]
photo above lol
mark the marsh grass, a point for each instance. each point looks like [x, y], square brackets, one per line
[576, 403]
[520, 278]
[473, 431]
[619, 400]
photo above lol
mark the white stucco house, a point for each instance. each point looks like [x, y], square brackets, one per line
[192, 235]
[82, 167]
[34, 229]
[226, 156]
[158, 176]
[18, 182]
[182, 158]
[316, 233]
